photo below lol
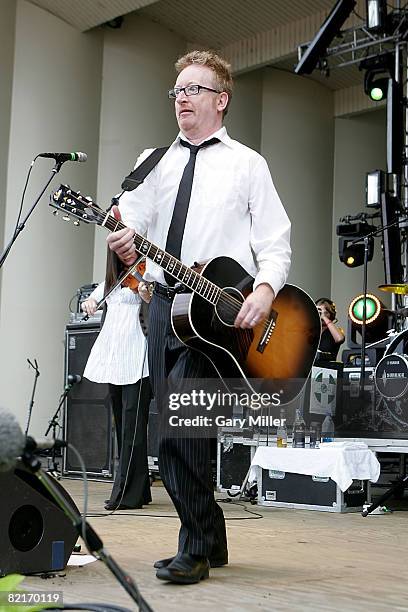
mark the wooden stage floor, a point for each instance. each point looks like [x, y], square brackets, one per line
[295, 560]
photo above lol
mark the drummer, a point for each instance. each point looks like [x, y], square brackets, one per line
[332, 336]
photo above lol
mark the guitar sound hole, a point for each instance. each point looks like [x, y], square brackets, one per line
[229, 305]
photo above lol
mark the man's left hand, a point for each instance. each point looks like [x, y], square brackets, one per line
[256, 307]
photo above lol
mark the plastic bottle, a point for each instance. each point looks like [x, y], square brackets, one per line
[299, 431]
[314, 435]
[328, 429]
[282, 432]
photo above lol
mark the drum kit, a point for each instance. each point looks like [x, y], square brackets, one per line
[391, 372]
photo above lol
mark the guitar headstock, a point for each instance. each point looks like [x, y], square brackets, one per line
[75, 205]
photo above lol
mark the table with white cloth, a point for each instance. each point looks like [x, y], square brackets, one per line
[342, 462]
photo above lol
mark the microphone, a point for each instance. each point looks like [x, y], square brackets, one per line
[32, 445]
[73, 379]
[13, 444]
[63, 157]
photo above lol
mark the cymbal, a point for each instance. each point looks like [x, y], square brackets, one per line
[401, 289]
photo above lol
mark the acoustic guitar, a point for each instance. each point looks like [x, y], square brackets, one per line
[276, 356]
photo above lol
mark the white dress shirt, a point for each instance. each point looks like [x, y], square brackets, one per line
[234, 209]
[119, 354]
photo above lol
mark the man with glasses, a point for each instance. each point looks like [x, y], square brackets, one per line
[208, 196]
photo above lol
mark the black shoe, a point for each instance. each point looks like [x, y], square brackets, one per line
[185, 569]
[112, 506]
[163, 562]
[217, 560]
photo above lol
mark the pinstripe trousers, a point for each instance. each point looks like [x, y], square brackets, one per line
[184, 463]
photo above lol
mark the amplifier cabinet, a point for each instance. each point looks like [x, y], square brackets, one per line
[88, 422]
[356, 417]
[234, 456]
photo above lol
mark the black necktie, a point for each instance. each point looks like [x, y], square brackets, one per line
[178, 220]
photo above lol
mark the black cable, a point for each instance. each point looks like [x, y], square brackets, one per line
[235, 503]
[85, 481]
[357, 15]
[70, 302]
[22, 202]
[106, 514]
[175, 516]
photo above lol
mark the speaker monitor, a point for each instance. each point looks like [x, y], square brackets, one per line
[88, 423]
[37, 536]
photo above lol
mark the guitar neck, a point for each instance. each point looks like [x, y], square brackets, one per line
[187, 276]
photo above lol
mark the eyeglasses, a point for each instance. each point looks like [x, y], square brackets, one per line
[190, 90]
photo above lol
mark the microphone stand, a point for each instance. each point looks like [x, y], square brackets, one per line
[21, 225]
[85, 531]
[364, 324]
[53, 424]
[31, 404]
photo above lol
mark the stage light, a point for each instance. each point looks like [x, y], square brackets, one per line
[379, 72]
[354, 226]
[316, 50]
[375, 182]
[352, 255]
[377, 93]
[356, 309]
[378, 319]
[376, 85]
[376, 15]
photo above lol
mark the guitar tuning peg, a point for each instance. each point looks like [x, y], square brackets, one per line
[55, 213]
[76, 223]
[66, 218]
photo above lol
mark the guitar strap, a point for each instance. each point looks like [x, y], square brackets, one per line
[131, 182]
[138, 175]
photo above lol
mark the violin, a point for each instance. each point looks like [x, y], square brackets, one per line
[133, 279]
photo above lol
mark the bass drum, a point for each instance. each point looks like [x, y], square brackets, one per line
[399, 344]
[391, 377]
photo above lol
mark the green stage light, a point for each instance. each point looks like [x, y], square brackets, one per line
[356, 309]
[378, 320]
[379, 72]
[377, 94]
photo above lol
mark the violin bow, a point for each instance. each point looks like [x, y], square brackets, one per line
[125, 274]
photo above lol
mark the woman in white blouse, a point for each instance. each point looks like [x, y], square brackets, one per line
[119, 358]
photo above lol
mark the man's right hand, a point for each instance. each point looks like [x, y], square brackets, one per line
[121, 242]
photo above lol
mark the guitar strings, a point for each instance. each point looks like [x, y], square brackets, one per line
[233, 302]
[232, 305]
